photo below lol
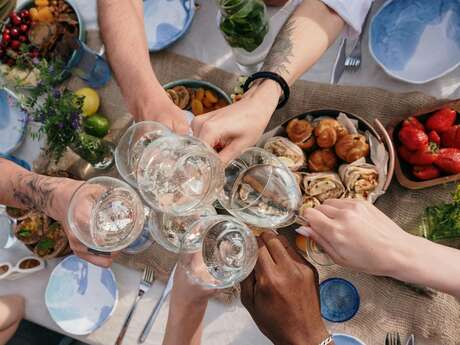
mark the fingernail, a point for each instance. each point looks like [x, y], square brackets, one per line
[304, 230]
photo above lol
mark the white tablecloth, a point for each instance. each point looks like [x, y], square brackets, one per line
[224, 325]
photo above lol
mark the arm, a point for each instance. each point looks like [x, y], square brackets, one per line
[51, 195]
[311, 29]
[129, 58]
[11, 313]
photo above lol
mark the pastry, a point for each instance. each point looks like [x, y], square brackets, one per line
[360, 180]
[322, 160]
[352, 147]
[328, 132]
[31, 229]
[300, 132]
[323, 186]
[183, 96]
[308, 202]
[287, 152]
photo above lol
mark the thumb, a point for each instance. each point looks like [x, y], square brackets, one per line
[231, 150]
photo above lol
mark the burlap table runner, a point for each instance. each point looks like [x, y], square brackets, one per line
[385, 304]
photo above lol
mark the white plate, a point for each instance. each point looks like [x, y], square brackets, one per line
[416, 41]
[345, 339]
[12, 123]
[80, 296]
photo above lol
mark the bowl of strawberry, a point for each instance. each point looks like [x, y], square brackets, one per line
[428, 149]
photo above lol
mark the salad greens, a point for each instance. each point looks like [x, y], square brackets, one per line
[442, 222]
[244, 23]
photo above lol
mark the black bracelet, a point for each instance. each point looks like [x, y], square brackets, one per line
[272, 76]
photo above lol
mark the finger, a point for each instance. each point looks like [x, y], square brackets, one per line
[181, 127]
[319, 221]
[329, 211]
[198, 122]
[290, 250]
[275, 247]
[232, 150]
[311, 234]
[247, 292]
[339, 203]
[265, 263]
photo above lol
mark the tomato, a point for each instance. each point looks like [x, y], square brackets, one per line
[451, 137]
[412, 121]
[441, 120]
[426, 172]
[413, 138]
[448, 160]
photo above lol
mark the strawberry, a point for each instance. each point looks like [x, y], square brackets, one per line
[425, 156]
[434, 137]
[441, 120]
[412, 121]
[405, 154]
[451, 137]
[426, 172]
[448, 160]
[413, 138]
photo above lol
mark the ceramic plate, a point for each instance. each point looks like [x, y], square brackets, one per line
[12, 124]
[166, 21]
[416, 41]
[344, 339]
[80, 297]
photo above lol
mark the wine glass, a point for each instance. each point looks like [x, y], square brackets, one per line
[261, 191]
[179, 174]
[106, 214]
[132, 145]
[218, 251]
[168, 229]
[145, 239]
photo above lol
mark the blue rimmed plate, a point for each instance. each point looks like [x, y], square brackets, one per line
[80, 296]
[416, 41]
[13, 123]
[166, 21]
[345, 339]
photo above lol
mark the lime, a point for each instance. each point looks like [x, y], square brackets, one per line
[91, 100]
[96, 125]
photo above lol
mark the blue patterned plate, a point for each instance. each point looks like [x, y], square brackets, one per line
[12, 123]
[344, 339]
[416, 41]
[166, 21]
[80, 296]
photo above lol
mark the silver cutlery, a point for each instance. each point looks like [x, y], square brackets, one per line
[146, 282]
[411, 340]
[339, 65]
[393, 338]
[157, 308]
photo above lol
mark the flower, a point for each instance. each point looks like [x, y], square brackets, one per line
[75, 120]
[56, 93]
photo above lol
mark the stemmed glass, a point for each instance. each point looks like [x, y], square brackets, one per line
[261, 191]
[106, 214]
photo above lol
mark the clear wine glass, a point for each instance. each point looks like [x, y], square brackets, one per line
[218, 251]
[132, 145]
[179, 175]
[145, 239]
[106, 214]
[168, 229]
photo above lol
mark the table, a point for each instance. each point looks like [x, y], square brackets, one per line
[224, 324]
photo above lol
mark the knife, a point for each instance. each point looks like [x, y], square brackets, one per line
[339, 65]
[411, 340]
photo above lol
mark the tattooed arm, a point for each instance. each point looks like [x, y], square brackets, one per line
[51, 195]
[310, 30]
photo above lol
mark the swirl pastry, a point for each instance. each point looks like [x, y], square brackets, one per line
[360, 180]
[323, 186]
[308, 202]
[322, 160]
[352, 147]
[328, 132]
[300, 132]
[290, 154]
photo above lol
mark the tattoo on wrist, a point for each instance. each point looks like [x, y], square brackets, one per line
[279, 58]
[35, 192]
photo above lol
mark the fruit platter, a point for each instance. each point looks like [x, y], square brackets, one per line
[428, 149]
[333, 155]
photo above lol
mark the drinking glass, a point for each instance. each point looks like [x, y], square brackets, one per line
[132, 144]
[106, 214]
[168, 229]
[218, 251]
[179, 175]
[145, 239]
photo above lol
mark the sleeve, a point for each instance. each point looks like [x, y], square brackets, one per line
[353, 12]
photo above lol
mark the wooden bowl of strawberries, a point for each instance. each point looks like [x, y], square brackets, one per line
[428, 149]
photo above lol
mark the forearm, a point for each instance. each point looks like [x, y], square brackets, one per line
[128, 54]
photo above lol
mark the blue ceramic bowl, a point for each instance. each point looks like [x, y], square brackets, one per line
[345, 339]
[416, 41]
[339, 300]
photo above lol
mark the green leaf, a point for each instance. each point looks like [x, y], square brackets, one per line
[45, 244]
[24, 232]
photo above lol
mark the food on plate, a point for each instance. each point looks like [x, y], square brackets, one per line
[448, 160]
[323, 186]
[199, 101]
[434, 137]
[91, 100]
[96, 125]
[183, 96]
[451, 137]
[426, 172]
[412, 121]
[53, 242]
[322, 160]
[308, 202]
[300, 132]
[290, 154]
[413, 138]
[425, 156]
[31, 229]
[17, 213]
[441, 120]
[328, 132]
[298, 178]
[360, 179]
[352, 147]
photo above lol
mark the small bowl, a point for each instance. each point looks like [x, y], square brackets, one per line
[403, 169]
[195, 84]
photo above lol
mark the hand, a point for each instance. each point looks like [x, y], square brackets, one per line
[357, 235]
[239, 125]
[282, 294]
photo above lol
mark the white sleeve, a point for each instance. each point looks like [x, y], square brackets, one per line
[353, 12]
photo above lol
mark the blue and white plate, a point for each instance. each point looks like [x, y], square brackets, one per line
[344, 339]
[416, 41]
[166, 21]
[80, 296]
[13, 123]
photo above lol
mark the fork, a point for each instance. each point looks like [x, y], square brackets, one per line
[148, 277]
[353, 61]
[393, 339]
